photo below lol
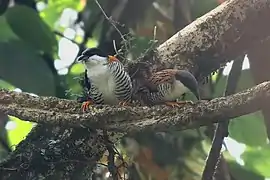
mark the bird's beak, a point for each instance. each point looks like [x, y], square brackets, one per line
[81, 58]
[112, 59]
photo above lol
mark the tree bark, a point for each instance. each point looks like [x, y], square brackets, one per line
[260, 68]
[213, 39]
[54, 152]
[131, 119]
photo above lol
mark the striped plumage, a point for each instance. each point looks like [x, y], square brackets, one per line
[168, 85]
[110, 83]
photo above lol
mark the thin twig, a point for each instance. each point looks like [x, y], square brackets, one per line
[62, 35]
[111, 21]
[114, 47]
[155, 33]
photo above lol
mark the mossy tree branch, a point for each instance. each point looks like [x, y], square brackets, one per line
[134, 118]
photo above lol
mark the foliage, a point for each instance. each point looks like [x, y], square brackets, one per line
[37, 52]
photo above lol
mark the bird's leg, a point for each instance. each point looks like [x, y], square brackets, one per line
[86, 104]
[178, 104]
[172, 104]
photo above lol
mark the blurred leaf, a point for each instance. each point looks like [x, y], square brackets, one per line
[20, 130]
[249, 129]
[54, 9]
[27, 24]
[21, 66]
[3, 6]
[140, 45]
[245, 82]
[77, 69]
[6, 32]
[258, 160]
[200, 7]
[240, 172]
[6, 85]
[74, 85]
[91, 43]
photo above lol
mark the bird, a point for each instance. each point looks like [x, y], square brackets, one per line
[106, 79]
[166, 86]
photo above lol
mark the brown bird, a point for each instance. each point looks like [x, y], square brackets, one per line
[166, 86]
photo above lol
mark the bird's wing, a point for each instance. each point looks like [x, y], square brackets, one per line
[86, 81]
[86, 85]
[161, 77]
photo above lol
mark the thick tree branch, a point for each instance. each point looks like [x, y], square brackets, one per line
[260, 67]
[128, 119]
[215, 38]
[52, 152]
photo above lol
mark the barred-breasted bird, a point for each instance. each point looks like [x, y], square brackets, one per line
[166, 86]
[108, 83]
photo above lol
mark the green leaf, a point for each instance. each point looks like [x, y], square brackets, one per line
[240, 172]
[245, 82]
[20, 131]
[74, 85]
[3, 6]
[22, 67]
[200, 7]
[249, 129]
[258, 160]
[54, 10]
[77, 69]
[27, 24]
[6, 85]
[6, 32]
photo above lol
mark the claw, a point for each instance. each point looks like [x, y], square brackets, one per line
[179, 103]
[85, 105]
[123, 103]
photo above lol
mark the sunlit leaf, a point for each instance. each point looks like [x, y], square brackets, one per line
[77, 69]
[249, 129]
[240, 172]
[91, 43]
[6, 85]
[21, 66]
[20, 130]
[258, 160]
[28, 25]
[54, 9]
[245, 82]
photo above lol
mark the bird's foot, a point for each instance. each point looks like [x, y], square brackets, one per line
[179, 103]
[86, 104]
[123, 103]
